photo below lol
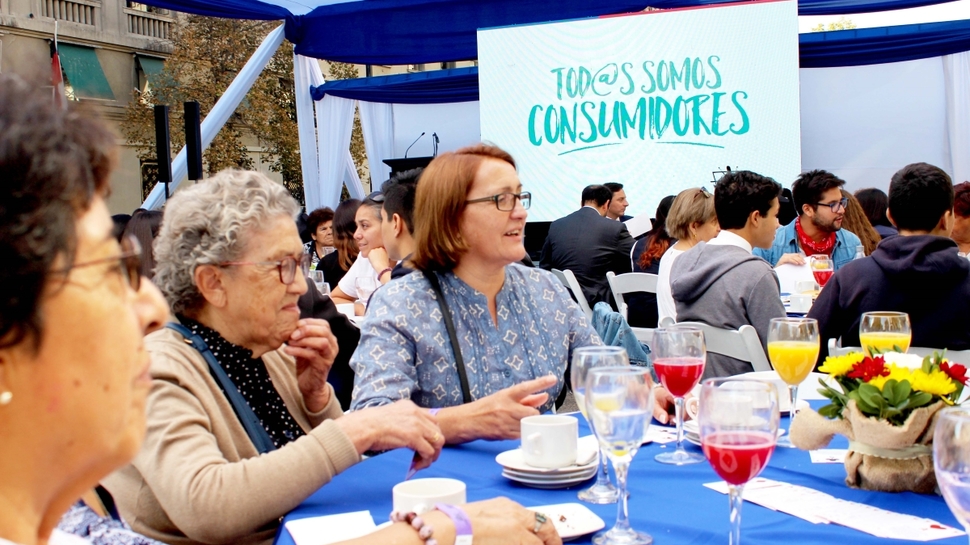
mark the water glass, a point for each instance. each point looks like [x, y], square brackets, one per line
[619, 401]
[584, 359]
[884, 331]
[366, 285]
[679, 357]
[317, 278]
[951, 461]
[738, 421]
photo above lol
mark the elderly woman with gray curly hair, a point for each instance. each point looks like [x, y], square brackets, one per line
[242, 425]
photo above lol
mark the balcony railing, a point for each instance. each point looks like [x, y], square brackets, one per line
[150, 25]
[73, 11]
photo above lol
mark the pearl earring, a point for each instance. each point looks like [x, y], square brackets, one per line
[5, 398]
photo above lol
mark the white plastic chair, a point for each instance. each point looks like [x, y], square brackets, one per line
[742, 344]
[630, 283]
[568, 279]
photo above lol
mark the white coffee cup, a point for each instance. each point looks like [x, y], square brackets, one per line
[421, 495]
[800, 302]
[805, 286]
[549, 440]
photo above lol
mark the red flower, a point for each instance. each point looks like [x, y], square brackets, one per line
[955, 371]
[869, 368]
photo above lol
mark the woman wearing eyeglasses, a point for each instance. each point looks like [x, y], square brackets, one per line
[373, 267]
[242, 425]
[514, 327]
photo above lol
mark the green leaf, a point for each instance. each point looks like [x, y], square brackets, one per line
[871, 395]
[920, 399]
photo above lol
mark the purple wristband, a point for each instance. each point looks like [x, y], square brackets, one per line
[463, 526]
[433, 412]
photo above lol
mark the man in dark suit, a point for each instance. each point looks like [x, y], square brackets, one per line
[590, 245]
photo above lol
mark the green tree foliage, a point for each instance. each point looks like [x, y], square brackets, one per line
[208, 54]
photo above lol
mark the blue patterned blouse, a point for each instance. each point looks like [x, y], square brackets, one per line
[80, 520]
[405, 352]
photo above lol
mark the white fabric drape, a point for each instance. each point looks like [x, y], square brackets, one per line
[335, 119]
[377, 122]
[306, 73]
[352, 179]
[220, 113]
[956, 75]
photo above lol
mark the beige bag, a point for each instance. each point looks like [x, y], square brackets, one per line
[881, 456]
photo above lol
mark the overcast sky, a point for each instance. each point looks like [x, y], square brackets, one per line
[950, 11]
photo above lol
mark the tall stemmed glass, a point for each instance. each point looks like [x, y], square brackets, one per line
[738, 422]
[822, 268]
[884, 331]
[679, 357]
[584, 359]
[951, 460]
[619, 401]
[793, 345]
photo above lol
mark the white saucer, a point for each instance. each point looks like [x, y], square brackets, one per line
[586, 451]
[551, 483]
[511, 473]
[571, 520]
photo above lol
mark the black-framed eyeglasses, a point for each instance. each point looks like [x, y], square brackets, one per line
[506, 201]
[287, 266]
[833, 206]
[130, 258]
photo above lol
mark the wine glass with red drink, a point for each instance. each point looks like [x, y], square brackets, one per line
[738, 422]
[822, 269]
[679, 357]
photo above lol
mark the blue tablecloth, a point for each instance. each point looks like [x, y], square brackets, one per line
[667, 502]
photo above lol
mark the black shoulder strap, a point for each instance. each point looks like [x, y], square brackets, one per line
[432, 277]
[248, 419]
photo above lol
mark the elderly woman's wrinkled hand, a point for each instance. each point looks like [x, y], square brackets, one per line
[400, 424]
[501, 521]
[314, 346]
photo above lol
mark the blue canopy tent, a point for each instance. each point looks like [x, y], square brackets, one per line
[816, 50]
[400, 32]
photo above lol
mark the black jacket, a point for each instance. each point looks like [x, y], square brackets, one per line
[920, 275]
[589, 245]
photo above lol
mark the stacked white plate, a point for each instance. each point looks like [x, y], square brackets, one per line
[514, 467]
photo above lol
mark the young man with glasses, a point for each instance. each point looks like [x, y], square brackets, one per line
[818, 228]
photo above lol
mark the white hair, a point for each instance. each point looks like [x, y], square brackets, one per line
[209, 223]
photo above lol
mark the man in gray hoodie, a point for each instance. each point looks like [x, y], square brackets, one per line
[720, 282]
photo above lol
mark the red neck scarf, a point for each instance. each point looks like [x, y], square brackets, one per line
[810, 246]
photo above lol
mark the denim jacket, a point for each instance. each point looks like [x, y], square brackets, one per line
[786, 242]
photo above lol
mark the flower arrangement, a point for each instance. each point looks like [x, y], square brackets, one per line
[889, 392]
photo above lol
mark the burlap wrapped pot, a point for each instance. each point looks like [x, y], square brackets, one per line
[881, 456]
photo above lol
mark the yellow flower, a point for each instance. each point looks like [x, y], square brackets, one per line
[836, 366]
[934, 383]
[895, 372]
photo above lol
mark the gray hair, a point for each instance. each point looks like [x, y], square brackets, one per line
[208, 223]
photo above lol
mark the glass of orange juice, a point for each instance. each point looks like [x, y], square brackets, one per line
[793, 350]
[885, 332]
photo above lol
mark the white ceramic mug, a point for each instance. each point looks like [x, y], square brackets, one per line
[805, 286]
[421, 495]
[800, 302]
[549, 440]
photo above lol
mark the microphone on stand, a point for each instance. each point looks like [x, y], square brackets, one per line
[436, 142]
[412, 144]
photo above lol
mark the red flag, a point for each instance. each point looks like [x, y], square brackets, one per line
[57, 79]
